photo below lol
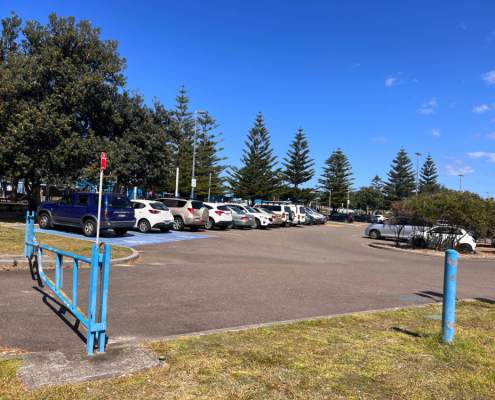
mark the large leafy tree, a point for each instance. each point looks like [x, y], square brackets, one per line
[298, 165]
[428, 179]
[208, 160]
[59, 88]
[337, 177]
[401, 181]
[257, 177]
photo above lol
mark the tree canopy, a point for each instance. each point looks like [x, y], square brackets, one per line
[298, 165]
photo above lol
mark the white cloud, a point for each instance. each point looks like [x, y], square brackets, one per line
[389, 82]
[435, 132]
[490, 135]
[477, 155]
[379, 139]
[482, 108]
[458, 168]
[428, 108]
[489, 77]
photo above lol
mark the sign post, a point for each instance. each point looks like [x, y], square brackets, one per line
[103, 167]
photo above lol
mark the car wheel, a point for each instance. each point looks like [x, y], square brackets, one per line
[419, 242]
[89, 228]
[257, 223]
[144, 226]
[120, 231]
[374, 234]
[178, 224]
[45, 222]
[210, 224]
[465, 248]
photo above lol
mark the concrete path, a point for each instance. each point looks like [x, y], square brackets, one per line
[240, 277]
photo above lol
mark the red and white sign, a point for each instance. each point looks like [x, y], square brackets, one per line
[103, 161]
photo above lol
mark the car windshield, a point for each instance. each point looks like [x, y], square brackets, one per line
[116, 201]
[158, 206]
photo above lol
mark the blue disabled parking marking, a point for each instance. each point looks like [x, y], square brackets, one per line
[132, 238]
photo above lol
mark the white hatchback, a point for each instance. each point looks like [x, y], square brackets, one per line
[218, 215]
[152, 214]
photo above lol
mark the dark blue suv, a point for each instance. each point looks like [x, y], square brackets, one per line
[80, 209]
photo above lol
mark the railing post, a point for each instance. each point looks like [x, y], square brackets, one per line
[93, 286]
[29, 234]
[105, 274]
[449, 292]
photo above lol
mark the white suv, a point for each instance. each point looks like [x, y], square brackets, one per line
[152, 214]
[219, 215]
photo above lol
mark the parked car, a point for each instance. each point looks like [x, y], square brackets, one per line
[80, 209]
[261, 219]
[316, 217]
[341, 217]
[240, 219]
[277, 219]
[281, 210]
[152, 214]
[444, 237]
[392, 228]
[299, 214]
[219, 215]
[187, 213]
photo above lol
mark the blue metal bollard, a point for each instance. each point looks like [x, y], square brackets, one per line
[449, 291]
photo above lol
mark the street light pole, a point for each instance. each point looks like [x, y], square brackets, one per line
[193, 174]
[460, 182]
[209, 187]
[418, 154]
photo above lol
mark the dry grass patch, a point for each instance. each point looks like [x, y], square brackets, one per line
[392, 355]
[12, 243]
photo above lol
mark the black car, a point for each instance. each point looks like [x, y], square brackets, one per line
[341, 217]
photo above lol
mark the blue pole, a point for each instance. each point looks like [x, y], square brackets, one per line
[449, 290]
[93, 287]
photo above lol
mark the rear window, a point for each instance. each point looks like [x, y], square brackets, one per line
[223, 208]
[238, 210]
[158, 206]
[302, 210]
[174, 202]
[197, 205]
[209, 207]
[118, 202]
[274, 208]
[138, 205]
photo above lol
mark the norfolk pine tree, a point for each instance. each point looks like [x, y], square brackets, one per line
[401, 182]
[337, 178]
[257, 177]
[428, 180]
[298, 166]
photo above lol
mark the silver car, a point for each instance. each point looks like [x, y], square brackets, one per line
[391, 229]
[190, 213]
[240, 218]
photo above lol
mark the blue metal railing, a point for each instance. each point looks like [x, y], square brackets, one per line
[95, 321]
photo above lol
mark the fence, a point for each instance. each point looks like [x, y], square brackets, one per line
[95, 322]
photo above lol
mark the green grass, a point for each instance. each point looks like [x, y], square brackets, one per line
[12, 243]
[355, 357]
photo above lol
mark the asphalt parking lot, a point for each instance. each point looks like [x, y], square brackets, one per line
[237, 278]
[131, 238]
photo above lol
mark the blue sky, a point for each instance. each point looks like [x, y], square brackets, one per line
[366, 76]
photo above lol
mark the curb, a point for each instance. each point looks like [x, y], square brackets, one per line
[19, 262]
[413, 252]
